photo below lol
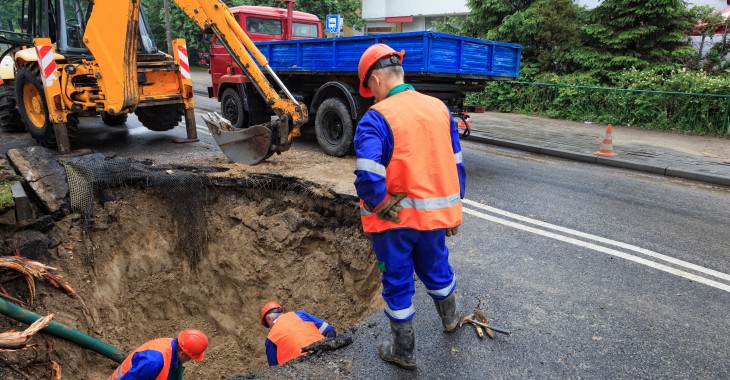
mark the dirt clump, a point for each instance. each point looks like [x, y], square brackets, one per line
[268, 238]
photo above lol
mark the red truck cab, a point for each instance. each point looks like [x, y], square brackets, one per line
[261, 24]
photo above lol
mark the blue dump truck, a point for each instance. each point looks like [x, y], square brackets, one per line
[322, 72]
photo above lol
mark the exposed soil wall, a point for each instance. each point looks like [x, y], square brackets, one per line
[300, 247]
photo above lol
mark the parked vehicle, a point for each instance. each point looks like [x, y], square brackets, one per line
[322, 72]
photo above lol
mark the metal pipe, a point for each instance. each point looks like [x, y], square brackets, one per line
[281, 84]
[56, 329]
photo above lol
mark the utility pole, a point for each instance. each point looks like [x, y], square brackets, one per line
[167, 26]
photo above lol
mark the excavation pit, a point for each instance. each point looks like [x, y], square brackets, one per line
[128, 252]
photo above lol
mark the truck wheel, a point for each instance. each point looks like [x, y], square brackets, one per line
[232, 108]
[160, 118]
[113, 120]
[334, 127]
[9, 116]
[34, 110]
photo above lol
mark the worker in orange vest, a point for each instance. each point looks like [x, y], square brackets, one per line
[410, 180]
[162, 359]
[290, 332]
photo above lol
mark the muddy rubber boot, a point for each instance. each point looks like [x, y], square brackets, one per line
[449, 310]
[400, 349]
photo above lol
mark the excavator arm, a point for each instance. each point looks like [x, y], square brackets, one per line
[256, 143]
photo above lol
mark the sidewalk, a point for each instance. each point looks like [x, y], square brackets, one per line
[700, 158]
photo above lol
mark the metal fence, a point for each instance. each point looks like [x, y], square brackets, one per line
[680, 111]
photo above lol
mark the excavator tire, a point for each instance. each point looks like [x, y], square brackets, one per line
[160, 118]
[9, 116]
[113, 120]
[33, 108]
[334, 127]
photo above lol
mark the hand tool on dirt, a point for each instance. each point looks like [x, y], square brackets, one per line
[328, 344]
[480, 322]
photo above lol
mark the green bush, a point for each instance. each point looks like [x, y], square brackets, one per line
[680, 100]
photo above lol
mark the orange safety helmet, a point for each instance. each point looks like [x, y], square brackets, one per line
[271, 305]
[369, 58]
[193, 343]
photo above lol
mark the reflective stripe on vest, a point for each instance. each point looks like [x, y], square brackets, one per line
[290, 333]
[423, 164]
[162, 345]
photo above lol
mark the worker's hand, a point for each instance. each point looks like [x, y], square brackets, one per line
[452, 231]
[392, 208]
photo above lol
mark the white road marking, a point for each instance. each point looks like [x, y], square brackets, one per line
[610, 251]
[203, 130]
[619, 244]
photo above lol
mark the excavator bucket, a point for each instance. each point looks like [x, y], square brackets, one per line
[247, 145]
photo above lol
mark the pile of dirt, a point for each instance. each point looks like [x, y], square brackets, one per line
[268, 238]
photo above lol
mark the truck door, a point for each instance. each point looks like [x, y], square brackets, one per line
[220, 61]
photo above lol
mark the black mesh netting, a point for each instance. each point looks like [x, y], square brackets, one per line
[184, 192]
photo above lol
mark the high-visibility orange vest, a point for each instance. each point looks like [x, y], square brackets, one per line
[423, 164]
[162, 345]
[290, 334]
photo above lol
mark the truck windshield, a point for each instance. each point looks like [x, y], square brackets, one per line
[300, 29]
[262, 25]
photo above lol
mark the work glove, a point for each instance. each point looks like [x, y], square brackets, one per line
[392, 208]
[452, 231]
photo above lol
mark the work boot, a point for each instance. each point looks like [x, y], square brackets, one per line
[449, 310]
[400, 349]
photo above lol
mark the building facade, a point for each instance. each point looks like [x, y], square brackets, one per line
[388, 16]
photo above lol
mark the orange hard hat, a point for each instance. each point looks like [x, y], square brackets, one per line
[271, 305]
[372, 56]
[193, 343]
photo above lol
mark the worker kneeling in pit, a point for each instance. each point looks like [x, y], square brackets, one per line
[162, 359]
[290, 332]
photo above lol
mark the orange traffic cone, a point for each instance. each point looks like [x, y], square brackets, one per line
[606, 149]
[465, 121]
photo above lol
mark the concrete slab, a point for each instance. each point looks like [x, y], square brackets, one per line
[45, 176]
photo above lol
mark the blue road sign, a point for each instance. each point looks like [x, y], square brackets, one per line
[332, 24]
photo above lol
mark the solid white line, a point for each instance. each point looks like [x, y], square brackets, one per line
[613, 252]
[619, 244]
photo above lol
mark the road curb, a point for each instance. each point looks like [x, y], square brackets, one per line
[590, 158]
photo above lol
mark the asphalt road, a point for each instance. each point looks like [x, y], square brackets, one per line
[590, 267]
[598, 272]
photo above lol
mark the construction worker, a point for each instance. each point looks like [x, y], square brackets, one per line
[410, 180]
[290, 332]
[162, 359]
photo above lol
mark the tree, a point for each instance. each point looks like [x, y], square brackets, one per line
[486, 15]
[547, 31]
[708, 21]
[622, 34]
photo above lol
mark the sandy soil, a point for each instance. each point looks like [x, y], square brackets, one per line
[297, 243]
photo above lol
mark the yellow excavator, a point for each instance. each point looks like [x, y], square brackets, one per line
[74, 58]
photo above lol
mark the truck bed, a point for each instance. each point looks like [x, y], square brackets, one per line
[427, 54]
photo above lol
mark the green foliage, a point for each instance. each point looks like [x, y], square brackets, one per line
[6, 195]
[649, 98]
[548, 30]
[486, 15]
[621, 34]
